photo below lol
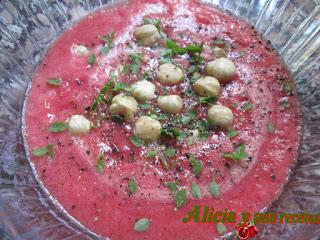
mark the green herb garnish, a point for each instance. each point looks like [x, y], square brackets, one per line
[146, 75]
[105, 50]
[92, 58]
[218, 41]
[108, 39]
[232, 133]
[169, 153]
[210, 100]
[214, 189]
[234, 105]
[166, 56]
[288, 88]
[100, 162]
[54, 82]
[132, 186]
[47, 150]
[195, 190]
[137, 141]
[180, 198]
[192, 69]
[142, 225]
[195, 164]
[203, 128]
[173, 133]
[247, 106]
[285, 104]
[58, 127]
[151, 154]
[238, 154]
[189, 117]
[119, 86]
[106, 89]
[221, 228]
[270, 127]
[39, 152]
[145, 106]
[174, 49]
[172, 187]
[135, 64]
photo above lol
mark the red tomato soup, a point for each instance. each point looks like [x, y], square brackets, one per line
[109, 172]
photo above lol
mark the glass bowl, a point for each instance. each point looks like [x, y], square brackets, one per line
[27, 30]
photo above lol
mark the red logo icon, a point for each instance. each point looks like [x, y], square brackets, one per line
[246, 230]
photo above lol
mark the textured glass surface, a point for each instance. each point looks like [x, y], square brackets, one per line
[28, 27]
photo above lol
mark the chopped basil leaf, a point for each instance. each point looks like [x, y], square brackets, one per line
[247, 106]
[234, 105]
[172, 186]
[92, 58]
[47, 150]
[154, 116]
[218, 41]
[195, 190]
[166, 56]
[165, 91]
[196, 164]
[142, 225]
[232, 133]
[119, 86]
[105, 50]
[58, 127]
[39, 152]
[214, 189]
[210, 100]
[173, 133]
[180, 135]
[151, 154]
[285, 104]
[169, 153]
[100, 162]
[203, 128]
[163, 117]
[221, 228]
[136, 141]
[177, 50]
[189, 117]
[132, 186]
[135, 60]
[222, 43]
[270, 127]
[101, 96]
[180, 198]
[288, 88]
[54, 82]
[238, 154]
[193, 68]
[108, 39]
[117, 118]
[145, 106]
[193, 48]
[146, 75]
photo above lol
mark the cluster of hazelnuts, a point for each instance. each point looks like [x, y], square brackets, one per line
[221, 70]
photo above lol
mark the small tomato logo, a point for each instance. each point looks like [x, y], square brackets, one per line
[246, 230]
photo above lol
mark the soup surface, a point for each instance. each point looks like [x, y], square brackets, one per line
[109, 178]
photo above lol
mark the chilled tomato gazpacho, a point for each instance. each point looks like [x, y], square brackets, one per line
[145, 109]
